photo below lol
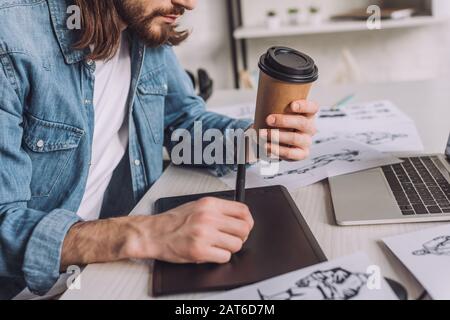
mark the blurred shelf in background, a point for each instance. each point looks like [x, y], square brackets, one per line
[249, 21]
[260, 32]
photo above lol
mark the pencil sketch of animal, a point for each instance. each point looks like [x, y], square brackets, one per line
[334, 284]
[439, 246]
[321, 161]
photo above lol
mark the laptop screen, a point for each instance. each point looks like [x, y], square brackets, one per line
[447, 151]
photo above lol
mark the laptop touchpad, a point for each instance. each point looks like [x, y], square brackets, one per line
[363, 197]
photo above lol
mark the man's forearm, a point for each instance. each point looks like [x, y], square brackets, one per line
[206, 230]
[100, 241]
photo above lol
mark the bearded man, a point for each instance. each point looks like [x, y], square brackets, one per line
[84, 117]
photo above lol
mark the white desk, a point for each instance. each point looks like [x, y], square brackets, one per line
[428, 103]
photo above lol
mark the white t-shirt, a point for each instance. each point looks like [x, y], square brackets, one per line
[112, 85]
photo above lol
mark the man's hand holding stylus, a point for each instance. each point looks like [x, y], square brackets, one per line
[207, 230]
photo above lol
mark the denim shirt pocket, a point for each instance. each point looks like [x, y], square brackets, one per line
[50, 146]
[151, 93]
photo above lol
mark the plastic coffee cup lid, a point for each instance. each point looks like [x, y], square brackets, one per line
[289, 65]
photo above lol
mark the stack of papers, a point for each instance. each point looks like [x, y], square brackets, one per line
[350, 139]
[349, 278]
[427, 255]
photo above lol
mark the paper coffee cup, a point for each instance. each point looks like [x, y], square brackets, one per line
[286, 75]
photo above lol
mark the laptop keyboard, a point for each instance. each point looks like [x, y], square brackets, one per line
[419, 187]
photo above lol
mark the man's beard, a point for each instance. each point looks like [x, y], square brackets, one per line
[144, 27]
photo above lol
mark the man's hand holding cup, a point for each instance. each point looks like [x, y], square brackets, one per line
[284, 117]
[295, 131]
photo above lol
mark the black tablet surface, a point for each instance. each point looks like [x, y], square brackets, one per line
[280, 242]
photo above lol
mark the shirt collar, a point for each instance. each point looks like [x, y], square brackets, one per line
[66, 38]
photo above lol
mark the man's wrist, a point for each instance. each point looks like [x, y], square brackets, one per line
[108, 241]
[139, 243]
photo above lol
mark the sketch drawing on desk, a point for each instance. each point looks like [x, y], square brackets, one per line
[379, 124]
[370, 138]
[363, 112]
[398, 137]
[426, 253]
[378, 110]
[346, 278]
[331, 113]
[328, 159]
[321, 161]
[373, 114]
[334, 284]
[439, 246]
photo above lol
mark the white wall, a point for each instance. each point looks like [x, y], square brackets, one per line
[208, 46]
[388, 55]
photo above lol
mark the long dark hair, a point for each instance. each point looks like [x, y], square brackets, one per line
[101, 28]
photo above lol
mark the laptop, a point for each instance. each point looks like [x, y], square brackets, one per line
[417, 190]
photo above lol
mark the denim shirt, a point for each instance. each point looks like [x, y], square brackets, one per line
[46, 132]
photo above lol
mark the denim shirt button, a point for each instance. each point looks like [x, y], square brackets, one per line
[137, 163]
[40, 144]
[90, 62]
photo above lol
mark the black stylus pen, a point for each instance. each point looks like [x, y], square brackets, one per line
[240, 183]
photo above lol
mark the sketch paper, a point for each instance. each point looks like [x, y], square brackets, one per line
[379, 124]
[399, 137]
[427, 255]
[379, 112]
[349, 278]
[327, 160]
[376, 111]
